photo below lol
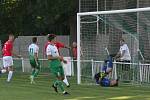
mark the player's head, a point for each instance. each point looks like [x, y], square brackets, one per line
[74, 44]
[11, 37]
[122, 41]
[51, 37]
[34, 39]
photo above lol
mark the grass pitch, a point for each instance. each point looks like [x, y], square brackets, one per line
[21, 89]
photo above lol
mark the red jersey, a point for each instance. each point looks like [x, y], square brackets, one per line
[7, 49]
[57, 44]
[74, 52]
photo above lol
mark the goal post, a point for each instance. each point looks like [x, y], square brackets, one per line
[88, 31]
[78, 50]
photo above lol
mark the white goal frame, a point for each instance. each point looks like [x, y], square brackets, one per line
[97, 13]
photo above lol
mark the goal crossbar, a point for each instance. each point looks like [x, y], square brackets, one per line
[114, 11]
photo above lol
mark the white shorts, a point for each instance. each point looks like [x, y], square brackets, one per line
[7, 61]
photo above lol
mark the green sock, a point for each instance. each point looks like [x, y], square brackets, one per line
[60, 85]
[36, 73]
[33, 71]
[55, 83]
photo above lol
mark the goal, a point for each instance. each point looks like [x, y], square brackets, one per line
[99, 33]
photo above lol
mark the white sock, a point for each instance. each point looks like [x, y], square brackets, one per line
[3, 70]
[64, 91]
[9, 76]
[65, 80]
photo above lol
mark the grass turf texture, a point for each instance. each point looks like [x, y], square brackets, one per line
[21, 89]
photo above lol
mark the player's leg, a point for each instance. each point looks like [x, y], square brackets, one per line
[8, 66]
[65, 78]
[5, 66]
[35, 72]
[10, 73]
[32, 76]
[37, 69]
[59, 82]
[114, 83]
[108, 71]
[97, 76]
[62, 75]
[66, 81]
[33, 65]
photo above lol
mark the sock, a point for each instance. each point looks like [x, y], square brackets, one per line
[60, 85]
[9, 76]
[64, 92]
[66, 81]
[36, 72]
[55, 83]
[33, 71]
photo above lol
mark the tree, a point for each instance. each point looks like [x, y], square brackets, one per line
[35, 17]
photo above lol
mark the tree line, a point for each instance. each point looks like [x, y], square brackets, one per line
[37, 17]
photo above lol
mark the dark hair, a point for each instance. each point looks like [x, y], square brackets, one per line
[51, 37]
[122, 40]
[34, 39]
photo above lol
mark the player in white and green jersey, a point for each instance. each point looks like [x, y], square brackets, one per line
[33, 57]
[55, 64]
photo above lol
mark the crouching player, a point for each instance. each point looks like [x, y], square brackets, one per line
[102, 77]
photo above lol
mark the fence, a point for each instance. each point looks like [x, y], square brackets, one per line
[131, 73]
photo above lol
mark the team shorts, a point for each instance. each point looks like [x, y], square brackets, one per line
[7, 61]
[56, 68]
[33, 63]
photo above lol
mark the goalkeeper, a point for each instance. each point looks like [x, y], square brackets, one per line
[102, 77]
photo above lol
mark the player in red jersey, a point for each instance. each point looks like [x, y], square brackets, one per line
[7, 57]
[59, 45]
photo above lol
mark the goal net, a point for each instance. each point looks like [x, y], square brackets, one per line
[99, 34]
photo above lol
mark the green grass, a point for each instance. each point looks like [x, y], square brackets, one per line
[21, 89]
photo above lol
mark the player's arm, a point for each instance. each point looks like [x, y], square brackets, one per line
[36, 58]
[123, 52]
[61, 45]
[118, 55]
[68, 47]
[36, 55]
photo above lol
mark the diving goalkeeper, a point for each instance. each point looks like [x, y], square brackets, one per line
[102, 77]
